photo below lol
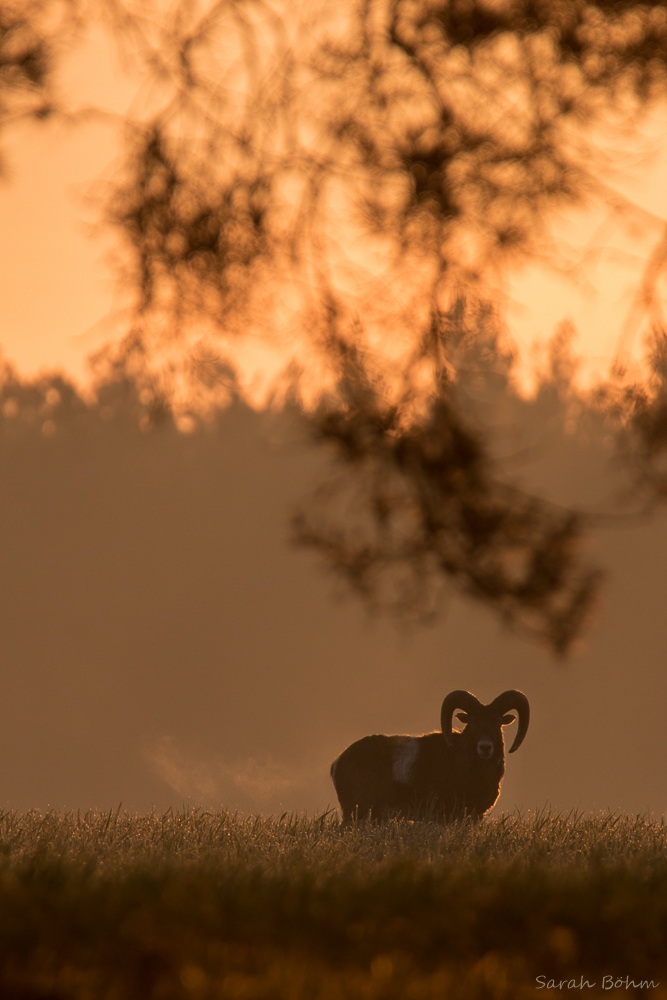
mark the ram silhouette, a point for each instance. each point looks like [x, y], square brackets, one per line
[442, 775]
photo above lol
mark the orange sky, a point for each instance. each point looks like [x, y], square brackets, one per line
[57, 290]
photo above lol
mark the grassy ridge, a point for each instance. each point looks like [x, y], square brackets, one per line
[208, 905]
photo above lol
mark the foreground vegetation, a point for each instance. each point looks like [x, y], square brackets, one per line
[212, 905]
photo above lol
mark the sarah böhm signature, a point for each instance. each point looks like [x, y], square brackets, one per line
[608, 983]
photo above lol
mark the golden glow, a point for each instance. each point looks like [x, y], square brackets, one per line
[45, 244]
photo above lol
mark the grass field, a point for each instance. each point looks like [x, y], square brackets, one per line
[205, 905]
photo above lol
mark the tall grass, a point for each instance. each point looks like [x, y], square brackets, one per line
[214, 905]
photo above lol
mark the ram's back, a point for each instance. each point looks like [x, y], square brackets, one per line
[363, 776]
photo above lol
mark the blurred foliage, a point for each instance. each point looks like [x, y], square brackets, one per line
[406, 506]
[419, 500]
[217, 905]
[32, 35]
[639, 411]
[438, 137]
[346, 186]
[445, 133]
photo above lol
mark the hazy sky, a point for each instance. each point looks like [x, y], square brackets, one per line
[163, 642]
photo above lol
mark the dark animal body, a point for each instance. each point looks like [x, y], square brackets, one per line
[443, 776]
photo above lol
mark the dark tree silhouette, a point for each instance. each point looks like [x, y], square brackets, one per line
[32, 35]
[354, 177]
[420, 503]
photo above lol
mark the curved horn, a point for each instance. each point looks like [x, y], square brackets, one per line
[516, 700]
[457, 699]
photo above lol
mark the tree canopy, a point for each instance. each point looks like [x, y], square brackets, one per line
[350, 185]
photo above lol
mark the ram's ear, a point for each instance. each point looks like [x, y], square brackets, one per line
[462, 716]
[506, 719]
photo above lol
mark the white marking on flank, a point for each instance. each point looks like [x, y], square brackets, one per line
[405, 754]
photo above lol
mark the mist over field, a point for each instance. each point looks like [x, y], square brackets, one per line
[163, 642]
